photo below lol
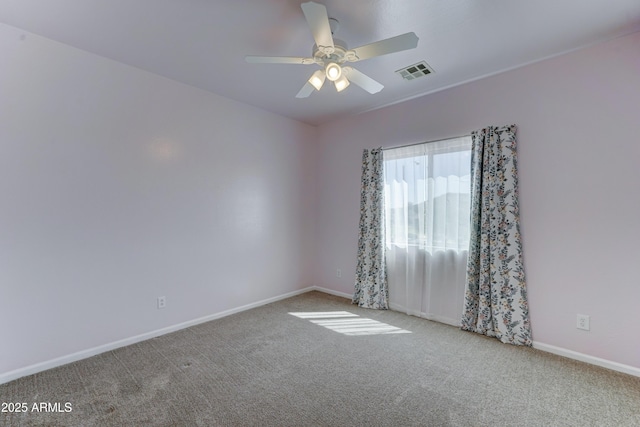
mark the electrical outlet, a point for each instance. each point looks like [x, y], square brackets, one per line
[583, 322]
[338, 273]
[162, 302]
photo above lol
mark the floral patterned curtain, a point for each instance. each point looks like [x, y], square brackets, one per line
[371, 289]
[495, 295]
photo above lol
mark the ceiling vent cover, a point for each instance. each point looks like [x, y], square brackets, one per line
[414, 71]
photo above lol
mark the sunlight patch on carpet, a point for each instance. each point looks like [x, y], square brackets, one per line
[348, 323]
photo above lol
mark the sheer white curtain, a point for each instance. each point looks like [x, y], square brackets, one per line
[427, 200]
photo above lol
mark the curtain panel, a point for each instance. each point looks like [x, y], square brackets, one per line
[371, 290]
[495, 293]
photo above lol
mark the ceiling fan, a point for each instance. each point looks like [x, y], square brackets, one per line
[331, 54]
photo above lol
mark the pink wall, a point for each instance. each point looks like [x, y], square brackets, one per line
[118, 186]
[578, 120]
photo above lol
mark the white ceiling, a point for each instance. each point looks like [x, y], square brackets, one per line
[203, 42]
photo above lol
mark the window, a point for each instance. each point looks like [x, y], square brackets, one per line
[427, 218]
[427, 195]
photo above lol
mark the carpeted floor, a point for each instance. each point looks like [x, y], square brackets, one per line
[266, 367]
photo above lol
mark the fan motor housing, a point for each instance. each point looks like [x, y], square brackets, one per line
[338, 56]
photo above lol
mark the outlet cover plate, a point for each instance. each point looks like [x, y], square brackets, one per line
[583, 322]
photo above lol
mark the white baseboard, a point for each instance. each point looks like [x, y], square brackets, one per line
[83, 354]
[332, 292]
[615, 366]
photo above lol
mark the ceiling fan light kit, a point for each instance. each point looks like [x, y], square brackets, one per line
[331, 54]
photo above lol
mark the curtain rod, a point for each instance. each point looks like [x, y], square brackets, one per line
[425, 142]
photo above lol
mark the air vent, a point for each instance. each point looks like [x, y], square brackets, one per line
[414, 71]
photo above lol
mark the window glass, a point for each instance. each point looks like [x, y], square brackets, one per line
[427, 195]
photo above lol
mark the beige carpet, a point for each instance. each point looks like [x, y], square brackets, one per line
[266, 367]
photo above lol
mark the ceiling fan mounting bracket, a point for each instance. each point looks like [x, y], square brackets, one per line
[334, 24]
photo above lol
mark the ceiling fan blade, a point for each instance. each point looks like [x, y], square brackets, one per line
[305, 91]
[362, 80]
[318, 20]
[383, 47]
[278, 60]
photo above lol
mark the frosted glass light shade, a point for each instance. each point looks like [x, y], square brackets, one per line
[342, 83]
[333, 71]
[317, 79]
